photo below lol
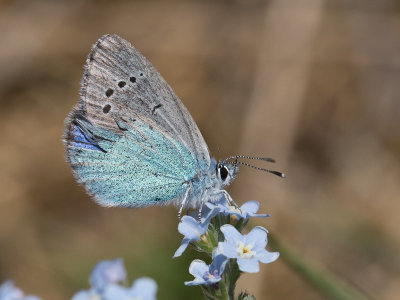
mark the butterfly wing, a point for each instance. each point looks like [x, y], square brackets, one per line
[130, 140]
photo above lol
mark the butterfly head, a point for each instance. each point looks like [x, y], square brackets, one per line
[226, 172]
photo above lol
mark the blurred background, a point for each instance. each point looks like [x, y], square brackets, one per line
[312, 83]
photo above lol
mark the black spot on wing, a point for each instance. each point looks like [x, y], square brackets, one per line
[106, 108]
[109, 92]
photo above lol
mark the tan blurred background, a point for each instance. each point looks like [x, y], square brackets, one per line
[312, 83]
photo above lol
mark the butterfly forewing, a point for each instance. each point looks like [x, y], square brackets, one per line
[130, 140]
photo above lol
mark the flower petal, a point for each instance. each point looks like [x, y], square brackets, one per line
[143, 288]
[198, 268]
[30, 297]
[190, 228]
[267, 257]
[219, 206]
[250, 207]
[248, 265]
[196, 281]
[258, 238]
[106, 272]
[114, 291]
[84, 295]
[205, 221]
[228, 249]
[218, 264]
[231, 233]
[9, 291]
[182, 247]
[259, 215]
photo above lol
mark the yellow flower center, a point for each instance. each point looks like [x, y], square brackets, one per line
[245, 251]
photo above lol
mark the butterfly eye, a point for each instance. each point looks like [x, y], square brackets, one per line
[222, 172]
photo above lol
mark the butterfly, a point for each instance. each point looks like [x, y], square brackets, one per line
[132, 143]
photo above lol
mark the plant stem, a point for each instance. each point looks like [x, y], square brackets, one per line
[208, 294]
[329, 284]
[224, 288]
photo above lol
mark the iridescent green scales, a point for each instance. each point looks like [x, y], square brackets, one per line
[140, 167]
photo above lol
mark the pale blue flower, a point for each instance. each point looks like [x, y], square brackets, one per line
[107, 272]
[8, 291]
[193, 230]
[207, 274]
[247, 210]
[142, 289]
[247, 249]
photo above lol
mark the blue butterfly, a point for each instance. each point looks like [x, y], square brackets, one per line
[132, 142]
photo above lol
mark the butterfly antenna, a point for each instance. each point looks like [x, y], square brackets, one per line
[282, 175]
[235, 166]
[250, 157]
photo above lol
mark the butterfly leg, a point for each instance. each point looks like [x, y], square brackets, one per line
[200, 210]
[230, 200]
[185, 197]
[227, 197]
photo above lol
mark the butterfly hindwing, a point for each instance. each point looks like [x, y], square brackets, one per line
[140, 167]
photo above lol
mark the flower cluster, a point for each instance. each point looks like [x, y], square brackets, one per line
[8, 291]
[106, 279]
[219, 235]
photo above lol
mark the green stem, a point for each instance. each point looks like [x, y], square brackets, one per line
[234, 274]
[213, 236]
[208, 293]
[224, 288]
[329, 284]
